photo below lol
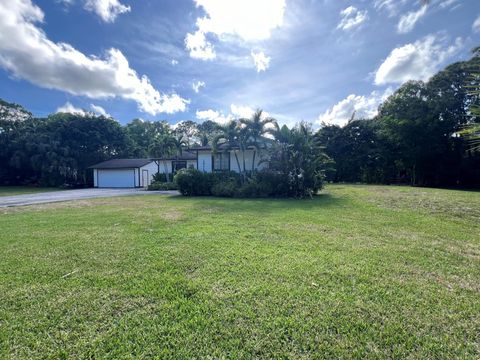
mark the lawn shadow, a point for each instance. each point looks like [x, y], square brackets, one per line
[262, 206]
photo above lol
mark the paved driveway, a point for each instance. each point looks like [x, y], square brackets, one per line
[68, 195]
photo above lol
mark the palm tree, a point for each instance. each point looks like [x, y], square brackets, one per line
[230, 134]
[162, 146]
[256, 128]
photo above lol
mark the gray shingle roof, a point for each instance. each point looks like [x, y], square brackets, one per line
[121, 164]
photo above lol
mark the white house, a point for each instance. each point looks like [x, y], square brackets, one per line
[132, 173]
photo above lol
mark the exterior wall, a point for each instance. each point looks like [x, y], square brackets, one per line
[205, 160]
[165, 167]
[248, 160]
[95, 178]
[152, 170]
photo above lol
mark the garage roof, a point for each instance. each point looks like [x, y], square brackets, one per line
[121, 164]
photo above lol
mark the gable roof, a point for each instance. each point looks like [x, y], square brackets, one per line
[121, 164]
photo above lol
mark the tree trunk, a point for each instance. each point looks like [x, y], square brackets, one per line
[253, 163]
[238, 162]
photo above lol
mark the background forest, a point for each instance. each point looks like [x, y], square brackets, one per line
[416, 139]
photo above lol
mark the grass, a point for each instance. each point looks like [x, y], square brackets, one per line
[359, 271]
[20, 190]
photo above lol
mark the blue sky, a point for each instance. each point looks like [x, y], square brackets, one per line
[174, 60]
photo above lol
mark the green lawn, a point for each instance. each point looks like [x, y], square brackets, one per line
[20, 190]
[359, 271]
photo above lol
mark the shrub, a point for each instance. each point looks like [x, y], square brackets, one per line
[224, 189]
[163, 186]
[162, 178]
[192, 182]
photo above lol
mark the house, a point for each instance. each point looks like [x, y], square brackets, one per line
[134, 173]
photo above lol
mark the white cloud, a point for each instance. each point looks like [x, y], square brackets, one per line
[361, 107]
[196, 86]
[407, 22]
[352, 18]
[70, 109]
[250, 20]
[476, 25]
[261, 61]
[213, 115]
[391, 6]
[174, 62]
[417, 61]
[108, 10]
[240, 111]
[199, 47]
[99, 110]
[26, 51]
[447, 3]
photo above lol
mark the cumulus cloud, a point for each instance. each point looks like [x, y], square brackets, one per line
[236, 111]
[352, 18]
[358, 106]
[476, 25]
[199, 47]
[26, 51]
[213, 115]
[261, 61]
[196, 86]
[407, 22]
[174, 62]
[250, 20]
[108, 10]
[99, 110]
[416, 61]
[70, 109]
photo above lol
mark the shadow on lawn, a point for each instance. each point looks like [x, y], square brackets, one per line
[263, 205]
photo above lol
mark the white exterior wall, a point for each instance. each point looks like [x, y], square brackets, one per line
[95, 178]
[205, 161]
[152, 170]
[248, 160]
[165, 166]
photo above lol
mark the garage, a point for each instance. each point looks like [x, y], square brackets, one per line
[124, 173]
[116, 178]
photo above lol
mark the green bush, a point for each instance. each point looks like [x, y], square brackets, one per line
[225, 189]
[163, 186]
[192, 182]
[162, 178]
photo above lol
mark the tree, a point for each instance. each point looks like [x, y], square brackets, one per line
[228, 136]
[164, 145]
[256, 128]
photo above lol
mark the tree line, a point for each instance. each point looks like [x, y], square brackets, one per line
[416, 139]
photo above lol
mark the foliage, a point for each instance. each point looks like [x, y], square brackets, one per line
[162, 177]
[162, 186]
[192, 182]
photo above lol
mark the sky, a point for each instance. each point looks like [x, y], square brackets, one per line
[299, 60]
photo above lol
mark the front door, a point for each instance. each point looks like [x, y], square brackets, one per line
[145, 178]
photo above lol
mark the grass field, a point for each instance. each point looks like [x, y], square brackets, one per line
[359, 271]
[20, 190]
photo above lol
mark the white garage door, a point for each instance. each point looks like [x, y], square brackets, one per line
[116, 178]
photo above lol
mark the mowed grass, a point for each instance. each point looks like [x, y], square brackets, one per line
[357, 272]
[20, 190]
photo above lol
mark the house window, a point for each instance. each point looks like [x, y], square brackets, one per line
[221, 161]
[177, 165]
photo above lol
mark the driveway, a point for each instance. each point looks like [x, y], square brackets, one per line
[69, 195]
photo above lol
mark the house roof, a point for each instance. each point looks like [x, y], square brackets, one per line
[186, 155]
[121, 164]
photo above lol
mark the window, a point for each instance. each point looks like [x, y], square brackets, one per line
[221, 161]
[177, 165]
